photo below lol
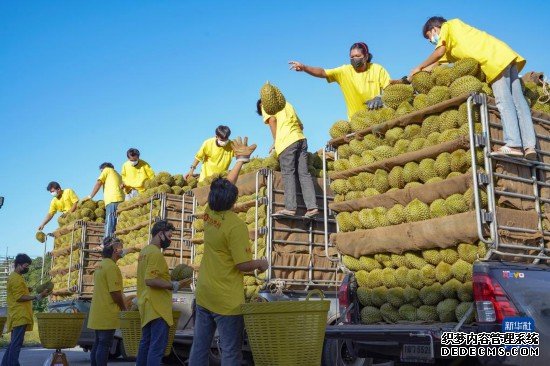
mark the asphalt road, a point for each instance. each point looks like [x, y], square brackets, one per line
[34, 356]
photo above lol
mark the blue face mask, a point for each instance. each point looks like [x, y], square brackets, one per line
[435, 39]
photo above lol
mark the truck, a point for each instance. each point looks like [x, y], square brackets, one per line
[512, 280]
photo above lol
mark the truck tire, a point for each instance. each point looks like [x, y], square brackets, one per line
[335, 352]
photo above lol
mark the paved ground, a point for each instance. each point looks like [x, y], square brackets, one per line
[75, 356]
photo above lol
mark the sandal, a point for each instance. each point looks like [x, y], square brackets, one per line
[530, 153]
[508, 151]
[311, 213]
[285, 212]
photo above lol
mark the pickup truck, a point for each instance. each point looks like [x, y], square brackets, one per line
[501, 289]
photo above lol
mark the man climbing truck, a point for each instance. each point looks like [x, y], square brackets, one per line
[453, 272]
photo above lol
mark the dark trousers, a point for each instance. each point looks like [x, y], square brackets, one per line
[100, 351]
[154, 337]
[11, 357]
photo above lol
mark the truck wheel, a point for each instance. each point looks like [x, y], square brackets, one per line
[335, 352]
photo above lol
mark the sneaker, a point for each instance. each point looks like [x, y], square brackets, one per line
[530, 153]
[285, 212]
[311, 213]
[508, 151]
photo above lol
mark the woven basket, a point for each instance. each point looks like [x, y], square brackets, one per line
[286, 333]
[130, 327]
[59, 330]
[3, 320]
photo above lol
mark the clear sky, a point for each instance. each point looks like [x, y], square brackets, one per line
[82, 81]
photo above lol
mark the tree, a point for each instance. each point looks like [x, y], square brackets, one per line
[33, 280]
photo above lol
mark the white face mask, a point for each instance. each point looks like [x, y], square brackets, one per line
[134, 163]
[54, 193]
[222, 143]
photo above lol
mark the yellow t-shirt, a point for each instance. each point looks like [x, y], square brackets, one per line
[19, 313]
[288, 128]
[153, 303]
[65, 203]
[214, 158]
[104, 311]
[462, 41]
[111, 185]
[358, 87]
[135, 176]
[220, 284]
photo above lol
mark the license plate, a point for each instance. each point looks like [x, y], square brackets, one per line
[416, 353]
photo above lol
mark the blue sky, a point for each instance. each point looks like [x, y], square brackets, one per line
[81, 82]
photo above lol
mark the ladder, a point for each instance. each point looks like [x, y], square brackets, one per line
[535, 174]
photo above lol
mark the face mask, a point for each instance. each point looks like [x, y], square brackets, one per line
[122, 253]
[222, 143]
[357, 62]
[134, 163]
[54, 193]
[434, 39]
[165, 243]
[26, 270]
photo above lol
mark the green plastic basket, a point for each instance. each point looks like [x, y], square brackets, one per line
[3, 320]
[286, 333]
[59, 330]
[130, 327]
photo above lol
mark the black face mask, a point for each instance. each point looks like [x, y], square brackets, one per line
[164, 243]
[357, 62]
[25, 270]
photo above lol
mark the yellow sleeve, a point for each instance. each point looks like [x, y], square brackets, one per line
[384, 78]
[444, 37]
[239, 244]
[17, 288]
[149, 171]
[114, 279]
[103, 176]
[52, 210]
[334, 74]
[72, 197]
[201, 154]
[123, 172]
[152, 270]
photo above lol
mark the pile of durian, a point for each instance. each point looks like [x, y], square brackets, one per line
[432, 285]
[91, 211]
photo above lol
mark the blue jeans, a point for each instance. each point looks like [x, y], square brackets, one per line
[514, 110]
[11, 357]
[230, 331]
[100, 350]
[154, 337]
[110, 218]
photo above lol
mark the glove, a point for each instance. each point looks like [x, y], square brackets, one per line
[175, 286]
[242, 150]
[375, 103]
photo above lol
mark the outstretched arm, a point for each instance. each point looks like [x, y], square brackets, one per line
[318, 72]
[45, 221]
[242, 152]
[433, 58]
[96, 188]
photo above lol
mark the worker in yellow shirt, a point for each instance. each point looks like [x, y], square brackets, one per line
[154, 294]
[454, 40]
[134, 173]
[227, 255]
[361, 81]
[290, 145]
[64, 200]
[112, 195]
[20, 317]
[215, 154]
[107, 301]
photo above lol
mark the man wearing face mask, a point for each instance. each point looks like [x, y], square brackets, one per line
[154, 294]
[215, 154]
[361, 81]
[107, 301]
[20, 317]
[134, 173]
[64, 200]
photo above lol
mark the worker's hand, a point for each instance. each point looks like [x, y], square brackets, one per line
[45, 293]
[86, 198]
[414, 71]
[262, 265]
[189, 174]
[375, 103]
[241, 149]
[121, 186]
[184, 282]
[41, 227]
[297, 66]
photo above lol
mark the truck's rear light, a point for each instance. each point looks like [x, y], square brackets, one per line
[344, 300]
[492, 302]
